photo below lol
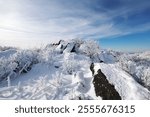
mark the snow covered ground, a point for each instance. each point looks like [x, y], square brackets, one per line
[62, 71]
[45, 82]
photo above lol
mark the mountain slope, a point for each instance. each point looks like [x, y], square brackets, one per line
[69, 70]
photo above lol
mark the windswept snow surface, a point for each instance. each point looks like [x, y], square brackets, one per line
[125, 84]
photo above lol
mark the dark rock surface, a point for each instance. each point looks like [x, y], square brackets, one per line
[102, 86]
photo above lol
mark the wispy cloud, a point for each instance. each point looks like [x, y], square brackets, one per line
[50, 20]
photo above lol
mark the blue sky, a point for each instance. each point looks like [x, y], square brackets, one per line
[117, 24]
[129, 43]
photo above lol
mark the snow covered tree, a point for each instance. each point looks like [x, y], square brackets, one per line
[90, 48]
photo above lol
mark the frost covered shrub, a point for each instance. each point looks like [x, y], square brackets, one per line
[128, 66]
[138, 68]
[19, 62]
[6, 67]
[90, 48]
[144, 75]
[25, 59]
[47, 55]
[73, 62]
[147, 77]
[58, 86]
[70, 66]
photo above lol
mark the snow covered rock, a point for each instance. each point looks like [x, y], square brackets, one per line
[107, 57]
[69, 48]
[124, 83]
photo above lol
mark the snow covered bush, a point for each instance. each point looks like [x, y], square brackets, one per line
[147, 77]
[90, 48]
[137, 67]
[24, 59]
[70, 66]
[6, 67]
[47, 55]
[59, 86]
[128, 66]
[17, 63]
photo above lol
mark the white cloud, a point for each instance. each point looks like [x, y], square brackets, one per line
[43, 21]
